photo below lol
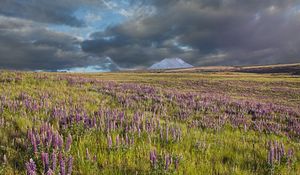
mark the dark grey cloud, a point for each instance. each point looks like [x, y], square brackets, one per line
[47, 11]
[26, 45]
[205, 32]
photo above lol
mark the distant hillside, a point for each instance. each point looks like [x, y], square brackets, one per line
[280, 68]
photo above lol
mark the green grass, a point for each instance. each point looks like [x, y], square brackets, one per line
[203, 150]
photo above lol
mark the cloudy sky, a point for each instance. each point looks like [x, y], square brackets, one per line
[107, 34]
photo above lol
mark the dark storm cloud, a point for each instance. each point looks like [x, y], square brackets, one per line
[26, 45]
[46, 11]
[206, 32]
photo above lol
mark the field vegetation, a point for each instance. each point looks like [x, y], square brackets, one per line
[149, 123]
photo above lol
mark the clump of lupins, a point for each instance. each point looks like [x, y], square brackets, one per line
[48, 138]
[51, 169]
[50, 166]
[277, 154]
[31, 167]
[49, 144]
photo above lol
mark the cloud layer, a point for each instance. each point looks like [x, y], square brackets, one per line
[206, 32]
[202, 32]
[47, 11]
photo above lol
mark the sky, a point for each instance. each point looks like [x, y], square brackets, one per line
[106, 35]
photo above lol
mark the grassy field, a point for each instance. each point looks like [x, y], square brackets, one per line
[149, 123]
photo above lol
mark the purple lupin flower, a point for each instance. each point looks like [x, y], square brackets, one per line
[49, 137]
[54, 159]
[34, 145]
[45, 161]
[70, 165]
[31, 167]
[271, 154]
[168, 161]
[153, 158]
[62, 164]
[276, 155]
[43, 139]
[60, 142]
[37, 139]
[55, 141]
[50, 172]
[290, 156]
[68, 143]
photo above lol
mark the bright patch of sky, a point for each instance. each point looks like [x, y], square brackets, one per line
[295, 10]
[95, 20]
[98, 18]
[87, 69]
[184, 48]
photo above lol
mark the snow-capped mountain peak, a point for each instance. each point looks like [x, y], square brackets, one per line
[171, 63]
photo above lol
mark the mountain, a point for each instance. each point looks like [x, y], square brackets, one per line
[170, 63]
